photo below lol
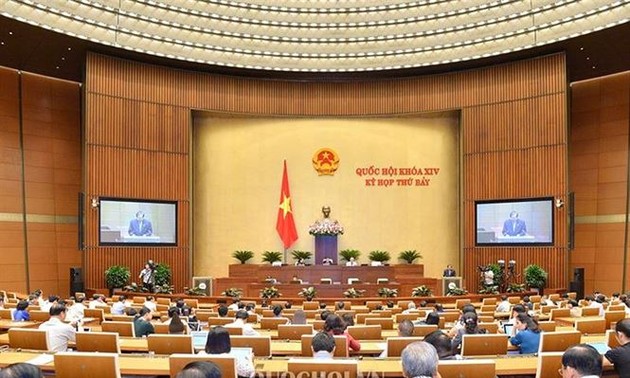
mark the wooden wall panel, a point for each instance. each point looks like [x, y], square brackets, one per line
[513, 115]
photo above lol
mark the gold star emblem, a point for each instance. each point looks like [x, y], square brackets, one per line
[285, 205]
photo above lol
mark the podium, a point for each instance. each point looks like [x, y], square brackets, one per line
[445, 281]
[325, 247]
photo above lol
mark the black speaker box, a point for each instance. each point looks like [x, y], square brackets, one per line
[76, 280]
[578, 288]
[578, 274]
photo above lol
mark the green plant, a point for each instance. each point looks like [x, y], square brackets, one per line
[162, 275]
[387, 292]
[270, 292]
[243, 256]
[166, 288]
[380, 256]
[353, 293]
[271, 256]
[117, 276]
[453, 290]
[490, 289]
[348, 254]
[535, 276]
[135, 288]
[308, 292]
[516, 288]
[409, 256]
[195, 291]
[233, 292]
[421, 291]
[301, 255]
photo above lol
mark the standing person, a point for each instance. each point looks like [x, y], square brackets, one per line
[620, 356]
[59, 332]
[147, 275]
[528, 336]
[140, 226]
[449, 271]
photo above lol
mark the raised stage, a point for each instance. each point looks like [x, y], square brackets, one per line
[251, 279]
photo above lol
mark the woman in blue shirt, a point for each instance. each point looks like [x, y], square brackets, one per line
[21, 314]
[528, 336]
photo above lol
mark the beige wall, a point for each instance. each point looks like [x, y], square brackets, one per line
[237, 171]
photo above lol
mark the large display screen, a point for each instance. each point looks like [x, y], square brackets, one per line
[137, 222]
[514, 222]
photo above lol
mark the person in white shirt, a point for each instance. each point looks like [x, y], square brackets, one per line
[118, 308]
[76, 312]
[351, 262]
[323, 346]
[240, 321]
[504, 305]
[234, 305]
[150, 303]
[59, 332]
[581, 360]
[47, 304]
[99, 301]
[592, 302]
[411, 308]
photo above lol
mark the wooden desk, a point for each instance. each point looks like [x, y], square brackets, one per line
[569, 321]
[6, 324]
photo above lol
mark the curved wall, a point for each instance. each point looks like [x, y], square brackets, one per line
[513, 122]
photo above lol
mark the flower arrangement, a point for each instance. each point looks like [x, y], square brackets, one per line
[270, 292]
[421, 291]
[353, 293]
[387, 292]
[195, 291]
[453, 290]
[325, 228]
[308, 293]
[490, 289]
[233, 292]
[516, 288]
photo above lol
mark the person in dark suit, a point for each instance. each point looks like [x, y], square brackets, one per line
[449, 271]
[140, 226]
[514, 226]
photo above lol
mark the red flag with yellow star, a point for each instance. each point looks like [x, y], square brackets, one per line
[285, 223]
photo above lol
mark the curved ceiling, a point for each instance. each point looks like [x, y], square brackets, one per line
[322, 35]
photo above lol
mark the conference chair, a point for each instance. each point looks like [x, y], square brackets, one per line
[616, 307]
[346, 312]
[122, 328]
[403, 303]
[313, 305]
[412, 317]
[85, 364]
[450, 317]
[138, 300]
[372, 332]
[28, 338]
[460, 303]
[361, 317]
[614, 317]
[7, 313]
[108, 342]
[163, 301]
[226, 363]
[556, 313]
[546, 309]
[318, 325]
[611, 338]
[261, 345]
[491, 327]
[488, 308]
[484, 345]
[294, 331]
[95, 313]
[395, 345]
[122, 318]
[558, 341]
[39, 316]
[489, 301]
[590, 311]
[423, 330]
[548, 364]
[485, 318]
[514, 300]
[467, 368]
[549, 326]
[272, 323]
[385, 323]
[341, 346]
[203, 316]
[192, 303]
[590, 326]
[383, 313]
[213, 322]
[235, 331]
[309, 368]
[372, 305]
[169, 344]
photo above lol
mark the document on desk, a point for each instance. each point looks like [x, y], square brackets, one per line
[42, 359]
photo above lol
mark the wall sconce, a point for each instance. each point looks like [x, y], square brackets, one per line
[559, 203]
[95, 204]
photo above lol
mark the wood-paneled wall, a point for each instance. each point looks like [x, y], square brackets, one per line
[40, 178]
[513, 128]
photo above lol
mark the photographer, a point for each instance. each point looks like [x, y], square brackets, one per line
[147, 275]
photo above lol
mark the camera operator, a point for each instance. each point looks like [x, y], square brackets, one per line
[147, 275]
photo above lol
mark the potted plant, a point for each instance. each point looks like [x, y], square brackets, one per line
[379, 257]
[166, 288]
[195, 291]
[348, 254]
[453, 290]
[353, 293]
[387, 292]
[301, 255]
[308, 292]
[421, 291]
[535, 277]
[516, 288]
[409, 256]
[162, 275]
[116, 277]
[243, 256]
[134, 288]
[271, 256]
[232, 292]
[270, 292]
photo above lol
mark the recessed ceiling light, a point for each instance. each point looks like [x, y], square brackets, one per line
[581, 48]
[588, 58]
[63, 58]
[10, 33]
[57, 67]
[69, 48]
[2, 43]
[594, 67]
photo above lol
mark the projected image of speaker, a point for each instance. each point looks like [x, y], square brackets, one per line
[204, 284]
